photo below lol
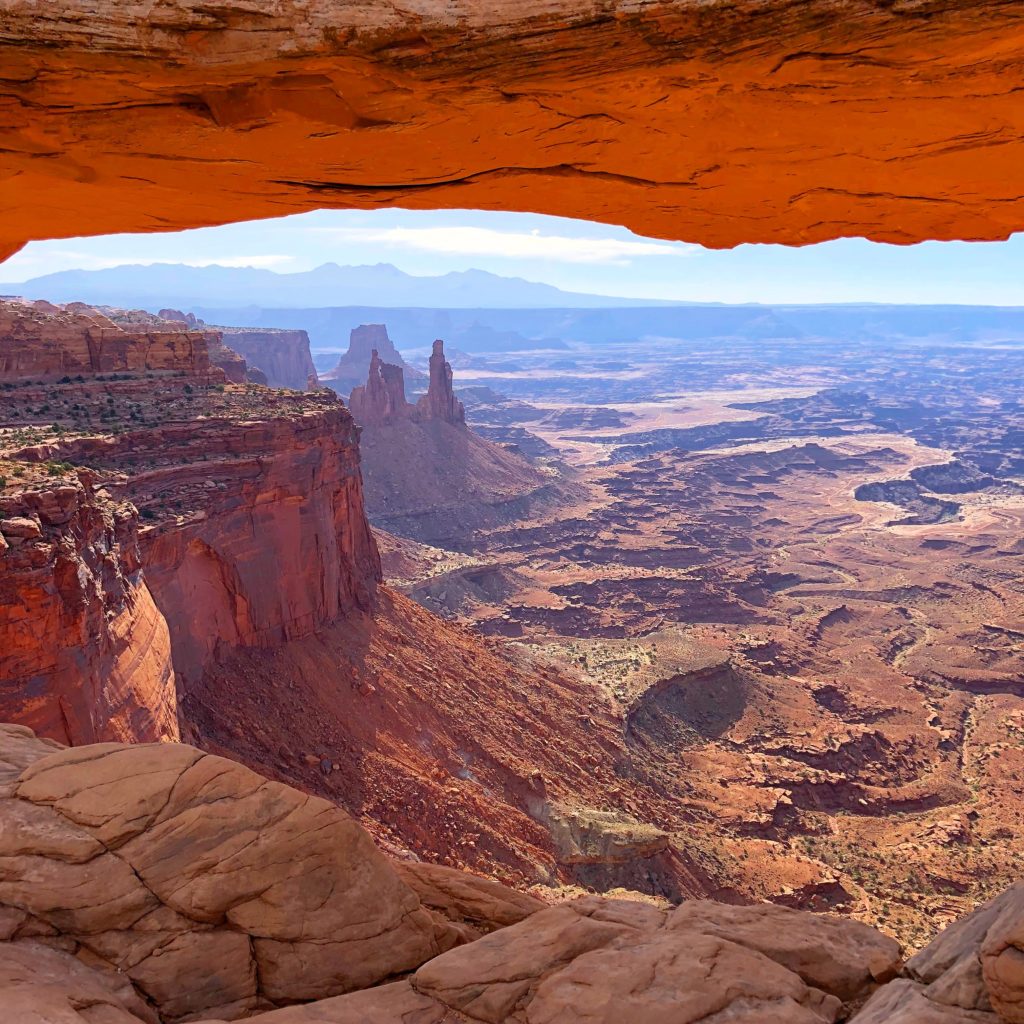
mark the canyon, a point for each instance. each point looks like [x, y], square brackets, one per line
[666, 675]
[710, 679]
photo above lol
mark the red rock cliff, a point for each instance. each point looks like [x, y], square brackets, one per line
[253, 530]
[258, 531]
[46, 341]
[85, 655]
[282, 355]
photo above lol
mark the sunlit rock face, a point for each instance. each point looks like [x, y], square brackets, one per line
[711, 122]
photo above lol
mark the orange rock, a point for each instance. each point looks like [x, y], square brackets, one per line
[718, 124]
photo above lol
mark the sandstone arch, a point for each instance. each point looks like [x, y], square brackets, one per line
[711, 121]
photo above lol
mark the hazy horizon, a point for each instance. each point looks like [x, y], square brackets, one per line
[574, 256]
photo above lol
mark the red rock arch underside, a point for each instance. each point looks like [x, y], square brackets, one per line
[713, 122]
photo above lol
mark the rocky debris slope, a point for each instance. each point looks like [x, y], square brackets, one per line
[717, 124]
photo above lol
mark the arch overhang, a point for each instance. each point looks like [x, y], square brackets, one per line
[708, 121]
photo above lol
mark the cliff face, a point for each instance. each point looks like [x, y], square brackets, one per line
[257, 528]
[253, 533]
[716, 123]
[282, 356]
[46, 341]
[85, 653]
[227, 359]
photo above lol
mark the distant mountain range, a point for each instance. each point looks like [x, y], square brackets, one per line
[178, 285]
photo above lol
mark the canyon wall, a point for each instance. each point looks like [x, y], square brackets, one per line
[46, 341]
[252, 527]
[716, 123]
[257, 533]
[85, 654]
[281, 355]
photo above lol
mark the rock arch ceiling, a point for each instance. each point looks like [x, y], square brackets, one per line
[714, 122]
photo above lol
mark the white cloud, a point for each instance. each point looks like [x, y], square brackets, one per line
[473, 241]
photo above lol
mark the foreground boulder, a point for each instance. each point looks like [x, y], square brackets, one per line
[973, 973]
[596, 961]
[211, 888]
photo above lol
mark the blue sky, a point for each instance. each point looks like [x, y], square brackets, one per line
[574, 255]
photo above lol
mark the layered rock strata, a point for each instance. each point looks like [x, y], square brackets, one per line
[43, 341]
[281, 356]
[718, 124]
[85, 653]
[234, 486]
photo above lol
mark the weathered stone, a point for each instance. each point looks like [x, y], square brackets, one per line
[718, 124]
[212, 889]
[48, 342]
[440, 403]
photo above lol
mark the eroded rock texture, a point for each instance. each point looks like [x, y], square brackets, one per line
[382, 398]
[85, 653]
[208, 887]
[41, 340]
[426, 474]
[717, 123]
[157, 883]
[281, 356]
[440, 403]
[198, 494]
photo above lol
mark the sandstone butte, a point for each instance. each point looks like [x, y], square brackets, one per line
[261, 355]
[351, 369]
[712, 122]
[425, 473]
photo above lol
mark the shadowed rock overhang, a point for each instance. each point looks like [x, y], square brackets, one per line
[708, 121]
